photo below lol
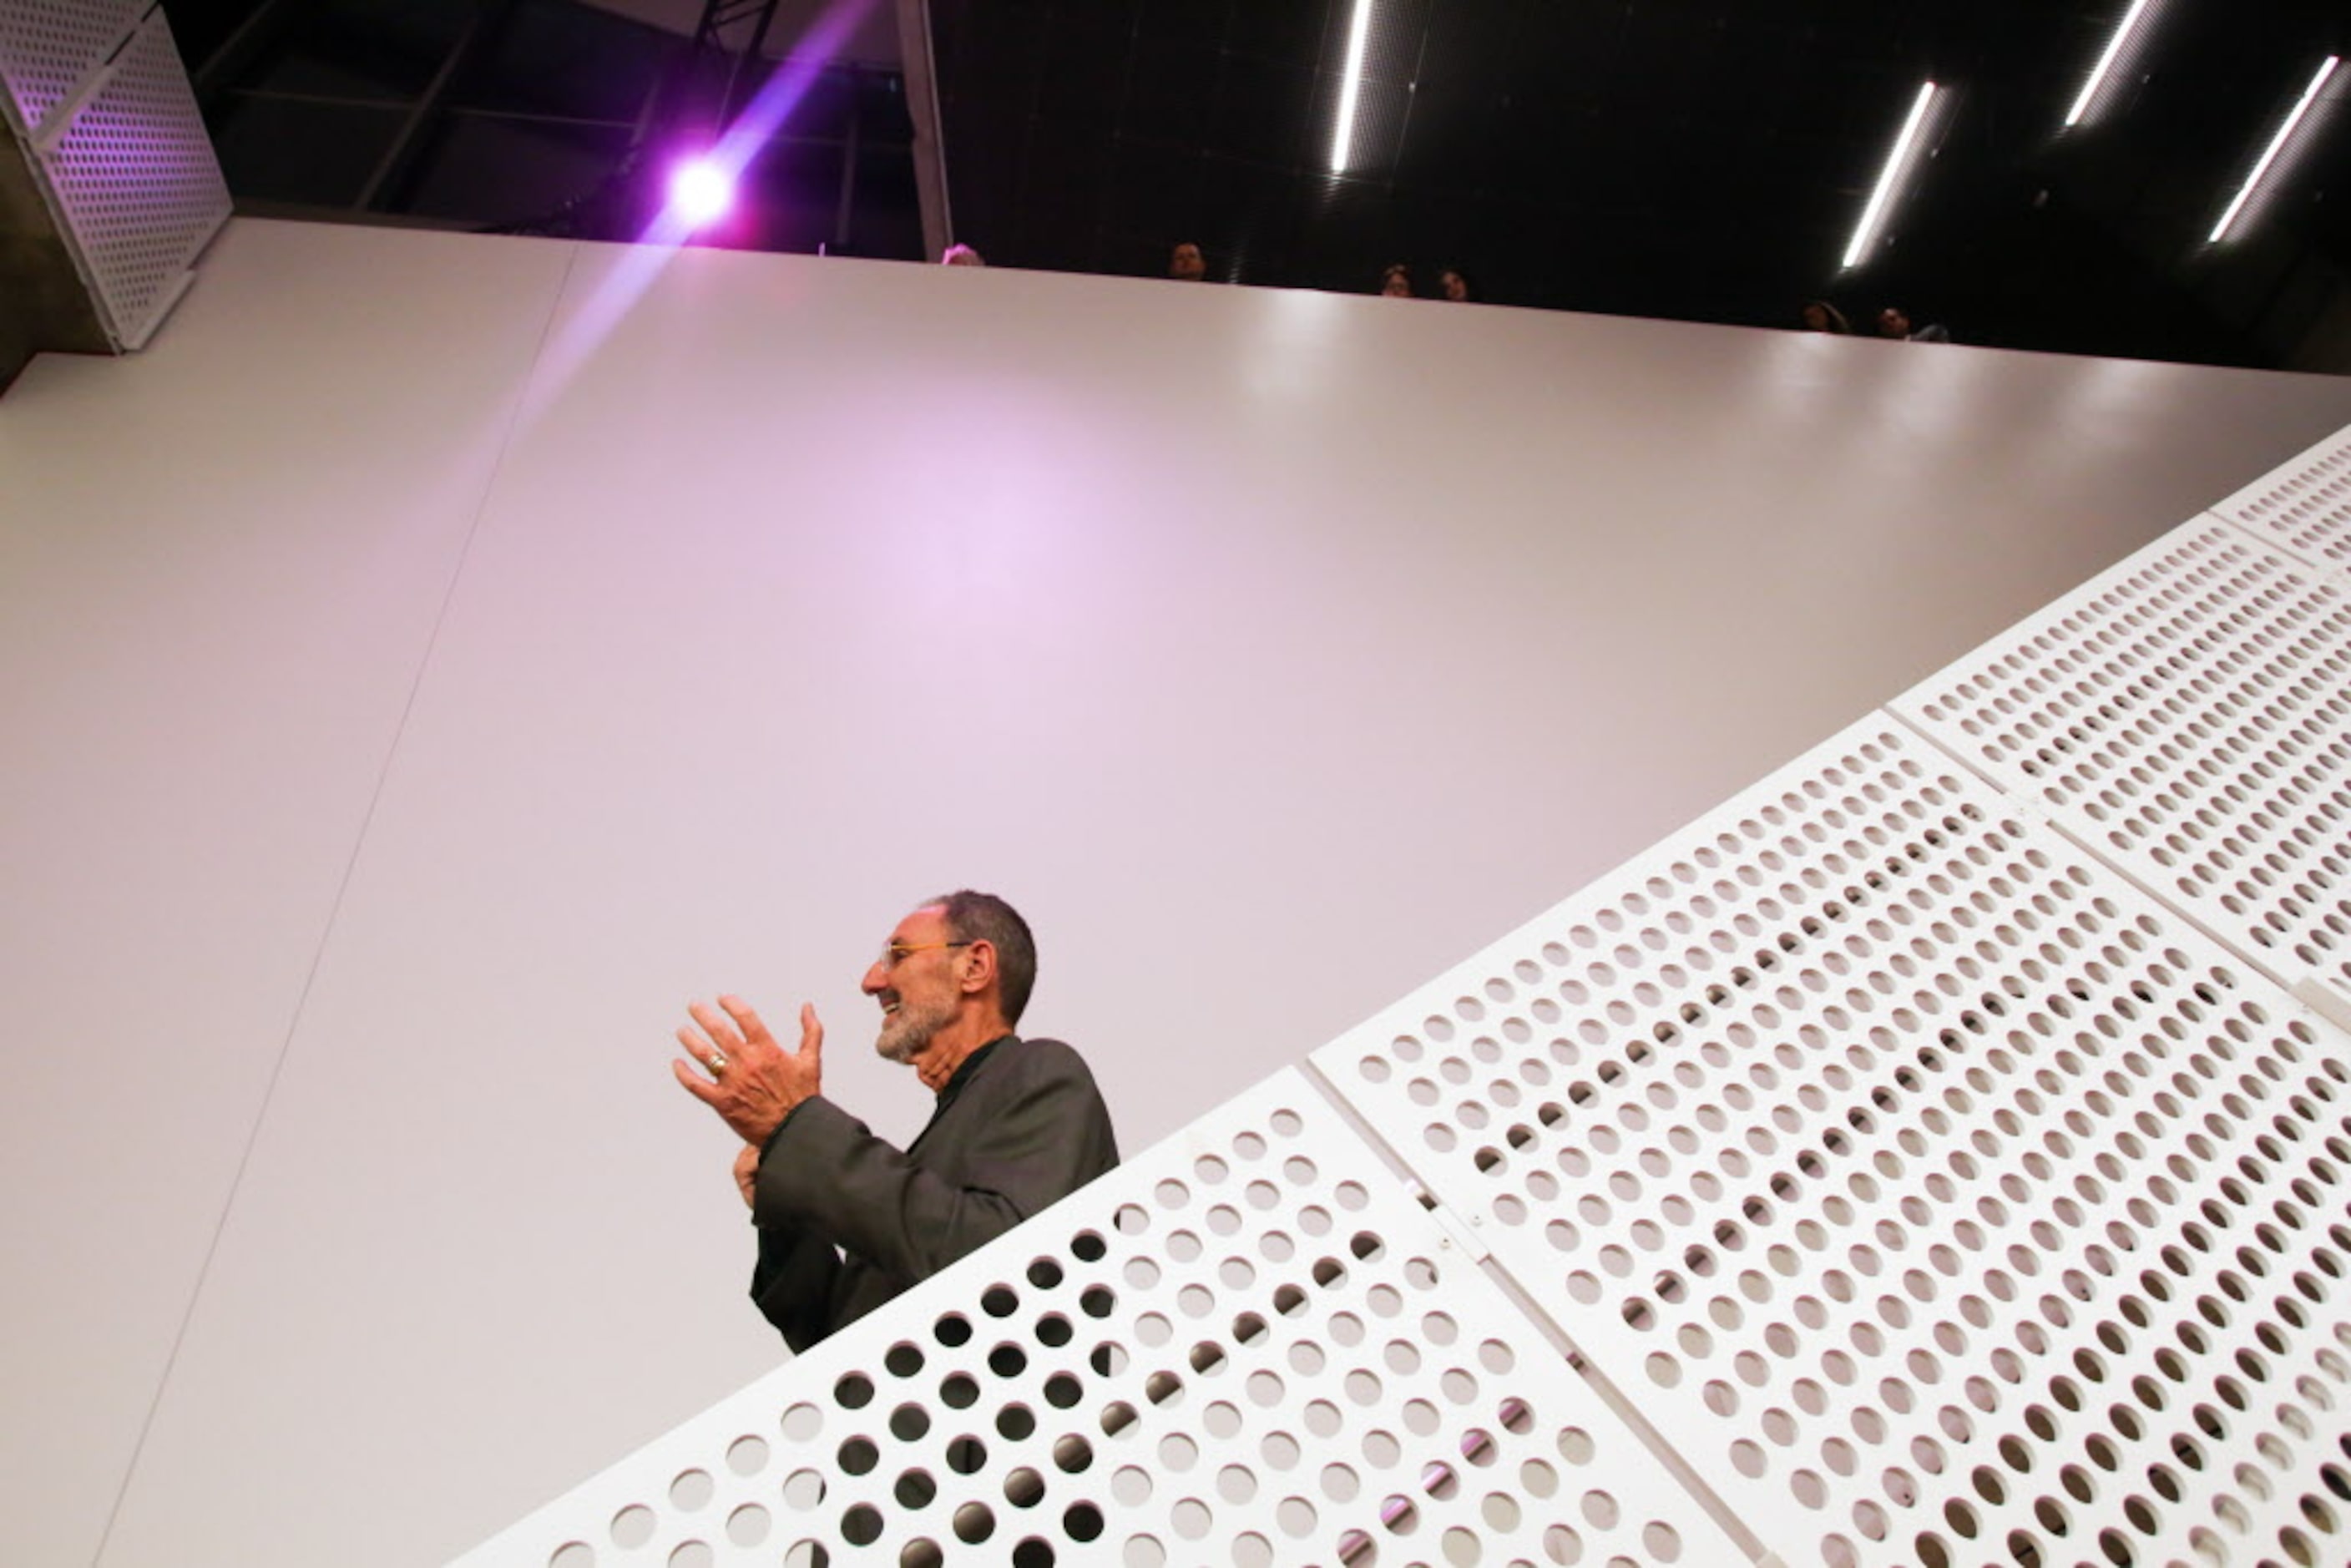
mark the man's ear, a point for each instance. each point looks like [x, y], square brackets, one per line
[979, 973]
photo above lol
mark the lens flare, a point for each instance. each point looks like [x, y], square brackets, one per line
[700, 192]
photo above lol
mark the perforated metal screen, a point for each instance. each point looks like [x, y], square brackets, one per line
[2184, 715]
[1939, 1196]
[122, 153]
[2304, 506]
[47, 47]
[1871, 1174]
[1248, 1345]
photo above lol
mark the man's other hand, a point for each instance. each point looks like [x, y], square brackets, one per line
[752, 1082]
[746, 1174]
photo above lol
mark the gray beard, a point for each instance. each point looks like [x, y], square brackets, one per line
[906, 1033]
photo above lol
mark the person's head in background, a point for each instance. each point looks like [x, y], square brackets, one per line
[1458, 285]
[1395, 283]
[1186, 263]
[963, 255]
[1820, 316]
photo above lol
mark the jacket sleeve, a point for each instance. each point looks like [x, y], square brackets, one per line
[1020, 1140]
[793, 1281]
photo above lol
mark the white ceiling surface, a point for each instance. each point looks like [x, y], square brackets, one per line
[220, 563]
[1273, 650]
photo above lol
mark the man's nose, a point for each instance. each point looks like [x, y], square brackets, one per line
[877, 980]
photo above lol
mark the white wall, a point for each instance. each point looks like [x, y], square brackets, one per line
[420, 698]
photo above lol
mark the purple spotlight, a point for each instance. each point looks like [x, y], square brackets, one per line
[700, 192]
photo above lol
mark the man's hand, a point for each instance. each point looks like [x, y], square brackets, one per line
[753, 1083]
[746, 1175]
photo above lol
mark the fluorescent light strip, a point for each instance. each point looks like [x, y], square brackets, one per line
[1894, 162]
[2309, 97]
[2106, 63]
[1359, 30]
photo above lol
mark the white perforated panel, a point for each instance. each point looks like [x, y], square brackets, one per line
[1939, 1196]
[135, 184]
[47, 47]
[2303, 506]
[1248, 1345]
[2184, 715]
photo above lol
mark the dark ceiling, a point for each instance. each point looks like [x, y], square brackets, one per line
[1704, 160]
[1697, 159]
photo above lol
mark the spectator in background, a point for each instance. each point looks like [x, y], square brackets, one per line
[1457, 286]
[1186, 265]
[1894, 322]
[1395, 283]
[1820, 316]
[962, 256]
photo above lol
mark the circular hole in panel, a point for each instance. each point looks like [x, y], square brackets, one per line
[966, 1455]
[1016, 1422]
[1144, 1552]
[957, 1391]
[857, 1456]
[1296, 1517]
[1131, 1486]
[1339, 1483]
[632, 1527]
[1072, 1453]
[690, 1554]
[909, 1422]
[1024, 1488]
[804, 1490]
[921, 1552]
[802, 1421]
[861, 1525]
[690, 1489]
[1191, 1518]
[915, 1488]
[974, 1522]
[1080, 1522]
[747, 1455]
[1236, 1484]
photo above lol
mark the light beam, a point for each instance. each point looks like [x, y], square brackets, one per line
[1871, 215]
[1343, 135]
[2106, 63]
[2277, 144]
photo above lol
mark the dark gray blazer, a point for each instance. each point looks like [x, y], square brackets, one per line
[1019, 1126]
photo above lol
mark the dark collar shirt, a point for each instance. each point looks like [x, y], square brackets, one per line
[846, 1220]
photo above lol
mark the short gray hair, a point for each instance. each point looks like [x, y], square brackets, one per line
[984, 917]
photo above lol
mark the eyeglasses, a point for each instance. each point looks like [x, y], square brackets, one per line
[893, 951]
